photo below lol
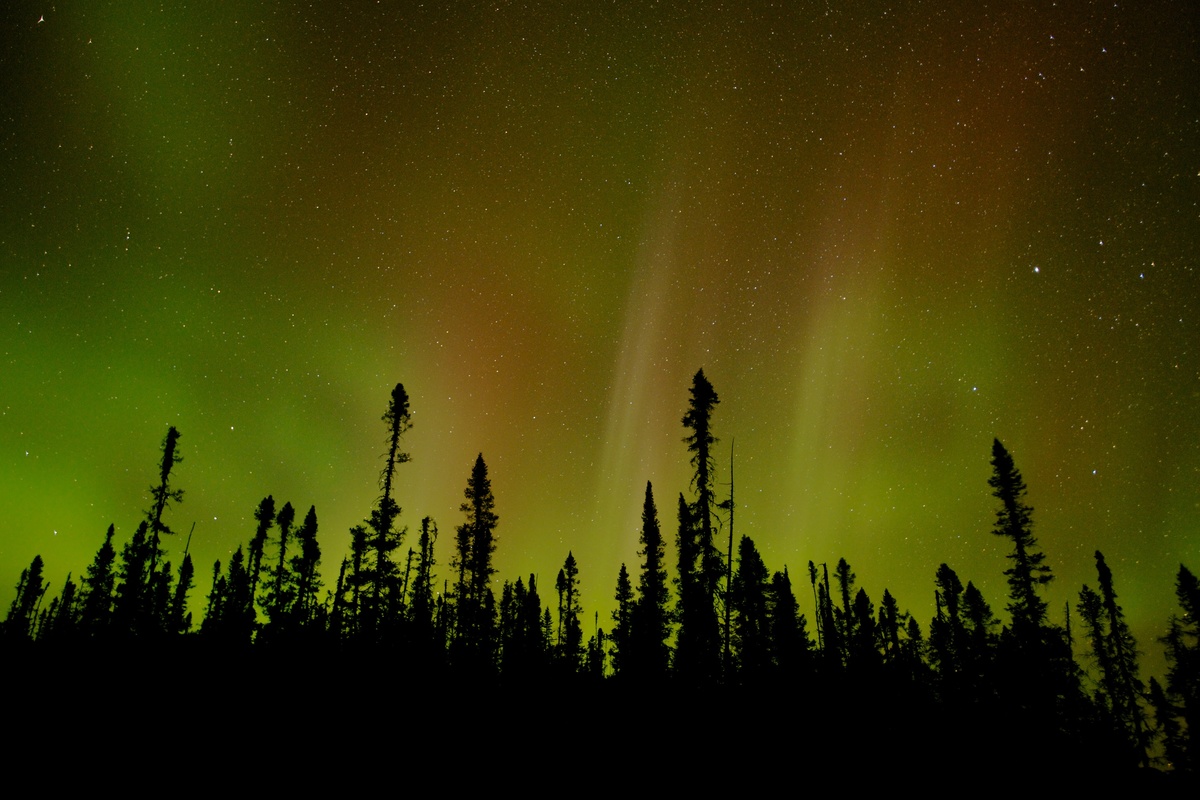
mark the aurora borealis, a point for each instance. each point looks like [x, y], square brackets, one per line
[887, 235]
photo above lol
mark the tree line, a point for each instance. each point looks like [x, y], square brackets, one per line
[723, 622]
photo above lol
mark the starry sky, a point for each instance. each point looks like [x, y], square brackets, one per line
[887, 235]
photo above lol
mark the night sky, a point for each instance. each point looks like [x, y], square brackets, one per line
[887, 235]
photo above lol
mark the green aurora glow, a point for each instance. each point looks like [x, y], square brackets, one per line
[887, 235]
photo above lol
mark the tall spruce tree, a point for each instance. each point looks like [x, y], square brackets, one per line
[1014, 521]
[306, 571]
[1182, 696]
[622, 615]
[383, 592]
[571, 641]
[23, 612]
[751, 619]
[98, 584]
[1115, 652]
[475, 542]
[700, 442]
[790, 644]
[699, 651]
[651, 616]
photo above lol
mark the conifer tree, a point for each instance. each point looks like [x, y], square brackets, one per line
[279, 593]
[790, 645]
[421, 604]
[475, 541]
[1014, 521]
[650, 625]
[131, 600]
[890, 623]
[305, 568]
[1122, 683]
[946, 632]
[61, 616]
[96, 589]
[215, 609]
[700, 442]
[380, 573]
[697, 647]
[571, 639]
[978, 644]
[751, 623]
[1183, 670]
[22, 614]
[264, 515]
[179, 619]
[622, 634]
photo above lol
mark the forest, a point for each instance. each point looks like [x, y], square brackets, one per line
[709, 651]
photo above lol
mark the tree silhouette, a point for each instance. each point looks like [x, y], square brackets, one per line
[1115, 652]
[700, 442]
[751, 621]
[306, 571]
[22, 614]
[697, 647]
[650, 625]
[1014, 521]
[570, 645]
[475, 542]
[379, 574]
[264, 515]
[790, 644]
[97, 586]
[622, 615]
[1183, 672]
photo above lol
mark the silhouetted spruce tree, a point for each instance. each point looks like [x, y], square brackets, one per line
[215, 610]
[697, 647]
[863, 650]
[96, 589]
[832, 651]
[946, 632]
[650, 625]
[1123, 684]
[888, 629]
[700, 442]
[281, 588]
[22, 614]
[1183, 671]
[524, 642]
[841, 616]
[162, 495]
[264, 515]
[380, 573]
[61, 615]
[306, 571]
[1014, 521]
[341, 611]
[751, 621]
[595, 660]
[978, 646]
[812, 578]
[1036, 661]
[1115, 655]
[570, 645]
[131, 601]
[230, 619]
[421, 603]
[353, 583]
[622, 615]
[474, 603]
[179, 619]
[1168, 728]
[790, 645]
